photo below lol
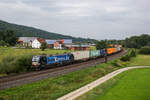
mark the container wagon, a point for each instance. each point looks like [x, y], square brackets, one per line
[81, 55]
[114, 50]
[103, 52]
[109, 51]
[94, 53]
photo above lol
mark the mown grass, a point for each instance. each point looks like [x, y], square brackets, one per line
[52, 88]
[143, 60]
[129, 85]
[100, 91]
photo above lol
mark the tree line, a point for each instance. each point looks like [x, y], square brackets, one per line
[8, 38]
[137, 41]
[131, 42]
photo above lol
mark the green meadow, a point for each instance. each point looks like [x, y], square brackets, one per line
[7, 52]
[129, 85]
[52, 88]
[15, 60]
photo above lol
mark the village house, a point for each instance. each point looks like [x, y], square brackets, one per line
[26, 41]
[37, 43]
[58, 44]
[50, 43]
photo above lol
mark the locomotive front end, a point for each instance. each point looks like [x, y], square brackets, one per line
[35, 61]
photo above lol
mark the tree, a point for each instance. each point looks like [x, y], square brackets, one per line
[8, 37]
[43, 46]
[137, 41]
[101, 44]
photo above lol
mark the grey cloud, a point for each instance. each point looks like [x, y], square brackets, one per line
[99, 19]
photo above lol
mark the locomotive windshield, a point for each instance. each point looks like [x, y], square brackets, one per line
[36, 59]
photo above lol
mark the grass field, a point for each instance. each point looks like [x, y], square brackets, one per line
[129, 85]
[6, 52]
[52, 88]
[140, 60]
[98, 93]
[15, 60]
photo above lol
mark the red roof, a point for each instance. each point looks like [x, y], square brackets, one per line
[41, 40]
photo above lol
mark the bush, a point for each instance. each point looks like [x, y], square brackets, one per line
[125, 58]
[116, 63]
[145, 50]
[14, 64]
[132, 53]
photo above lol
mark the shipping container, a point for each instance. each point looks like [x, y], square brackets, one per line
[94, 53]
[59, 59]
[118, 49]
[109, 51]
[114, 50]
[80, 55]
[102, 52]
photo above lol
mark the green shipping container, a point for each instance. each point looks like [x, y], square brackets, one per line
[94, 53]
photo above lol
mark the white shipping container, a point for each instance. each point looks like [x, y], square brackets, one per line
[79, 55]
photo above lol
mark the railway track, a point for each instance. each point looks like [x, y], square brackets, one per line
[24, 78]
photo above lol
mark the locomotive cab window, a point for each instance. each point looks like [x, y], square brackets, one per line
[35, 59]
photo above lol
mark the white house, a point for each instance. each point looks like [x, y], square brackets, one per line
[26, 41]
[37, 43]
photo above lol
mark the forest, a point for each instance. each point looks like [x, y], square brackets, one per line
[25, 31]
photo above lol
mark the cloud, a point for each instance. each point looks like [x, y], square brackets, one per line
[99, 19]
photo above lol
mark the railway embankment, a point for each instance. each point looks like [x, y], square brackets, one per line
[57, 86]
[73, 95]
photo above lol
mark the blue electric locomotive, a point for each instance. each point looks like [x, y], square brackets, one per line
[39, 62]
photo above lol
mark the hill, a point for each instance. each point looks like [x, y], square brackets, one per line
[25, 31]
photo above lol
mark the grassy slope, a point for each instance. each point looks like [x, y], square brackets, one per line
[140, 60]
[5, 52]
[123, 87]
[117, 88]
[53, 88]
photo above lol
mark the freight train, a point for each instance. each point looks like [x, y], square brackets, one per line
[44, 61]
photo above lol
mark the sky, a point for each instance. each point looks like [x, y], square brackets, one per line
[97, 19]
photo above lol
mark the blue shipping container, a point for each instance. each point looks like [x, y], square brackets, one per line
[102, 52]
[58, 58]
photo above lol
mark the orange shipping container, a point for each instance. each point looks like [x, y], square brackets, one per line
[114, 50]
[111, 50]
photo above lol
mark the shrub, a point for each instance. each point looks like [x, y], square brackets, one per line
[116, 63]
[145, 50]
[14, 64]
[132, 53]
[25, 62]
[125, 58]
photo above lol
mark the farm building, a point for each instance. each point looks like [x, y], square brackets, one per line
[58, 44]
[50, 43]
[26, 41]
[77, 47]
[37, 43]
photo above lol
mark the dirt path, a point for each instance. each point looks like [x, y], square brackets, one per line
[92, 85]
